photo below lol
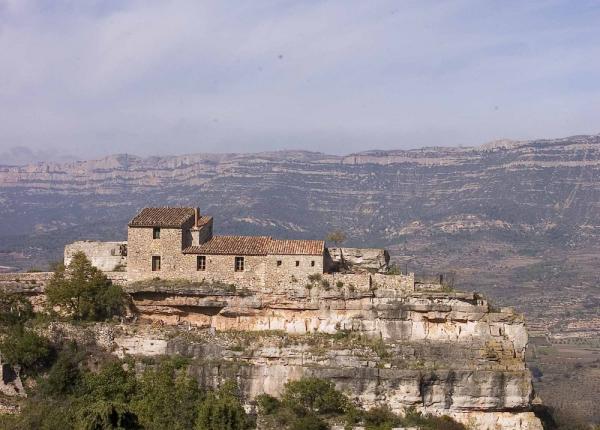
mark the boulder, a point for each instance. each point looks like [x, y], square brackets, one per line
[358, 260]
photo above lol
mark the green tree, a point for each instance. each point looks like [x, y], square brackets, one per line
[107, 415]
[222, 410]
[112, 382]
[83, 292]
[337, 237]
[27, 349]
[65, 375]
[380, 418]
[315, 395]
[14, 309]
[308, 422]
[166, 398]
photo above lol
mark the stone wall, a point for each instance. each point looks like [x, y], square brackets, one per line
[106, 256]
[259, 271]
[142, 246]
[358, 259]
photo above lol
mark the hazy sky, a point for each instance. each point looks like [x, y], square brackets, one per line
[89, 78]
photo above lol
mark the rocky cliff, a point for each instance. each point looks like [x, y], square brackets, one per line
[443, 352]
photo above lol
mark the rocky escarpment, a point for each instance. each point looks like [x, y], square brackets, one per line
[440, 351]
[378, 195]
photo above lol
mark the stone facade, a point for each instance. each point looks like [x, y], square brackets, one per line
[141, 247]
[180, 247]
[106, 256]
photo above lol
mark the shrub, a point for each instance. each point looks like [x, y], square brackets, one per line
[394, 270]
[430, 422]
[267, 404]
[315, 277]
[166, 398]
[380, 418]
[308, 422]
[222, 410]
[27, 349]
[14, 309]
[337, 237]
[325, 284]
[64, 376]
[315, 395]
[104, 414]
[339, 284]
[84, 292]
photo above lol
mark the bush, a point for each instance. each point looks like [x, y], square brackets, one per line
[65, 376]
[315, 395]
[105, 414]
[222, 410]
[27, 349]
[430, 422]
[166, 398]
[14, 309]
[315, 277]
[83, 292]
[267, 405]
[308, 422]
[381, 418]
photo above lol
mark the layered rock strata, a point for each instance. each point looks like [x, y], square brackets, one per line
[442, 352]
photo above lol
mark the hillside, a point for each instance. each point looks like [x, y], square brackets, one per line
[519, 221]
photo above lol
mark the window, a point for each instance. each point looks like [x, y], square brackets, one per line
[201, 262]
[156, 233]
[278, 263]
[297, 263]
[312, 263]
[239, 264]
[155, 263]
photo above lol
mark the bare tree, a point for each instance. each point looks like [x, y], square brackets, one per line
[337, 237]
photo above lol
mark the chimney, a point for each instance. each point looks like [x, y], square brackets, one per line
[196, 216]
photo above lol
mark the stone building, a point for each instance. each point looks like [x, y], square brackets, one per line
[178, 243]
[106, 256]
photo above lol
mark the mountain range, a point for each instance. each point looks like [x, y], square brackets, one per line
[518, 220]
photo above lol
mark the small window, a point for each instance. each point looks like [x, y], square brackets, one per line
[155, 263]
[297, 263]
[278, 263]
[239, 264]
[156, 233]
[201, 262]
[312, 263]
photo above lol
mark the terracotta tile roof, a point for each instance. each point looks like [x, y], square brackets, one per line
[162, 217]
[296, 247]
[232, 245]
[256, 245]
[203, 220]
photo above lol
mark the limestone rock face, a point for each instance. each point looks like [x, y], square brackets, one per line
[380, 341]
[441, 352]
[359, 260]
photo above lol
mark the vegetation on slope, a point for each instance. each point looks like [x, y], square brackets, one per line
[83, 292]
